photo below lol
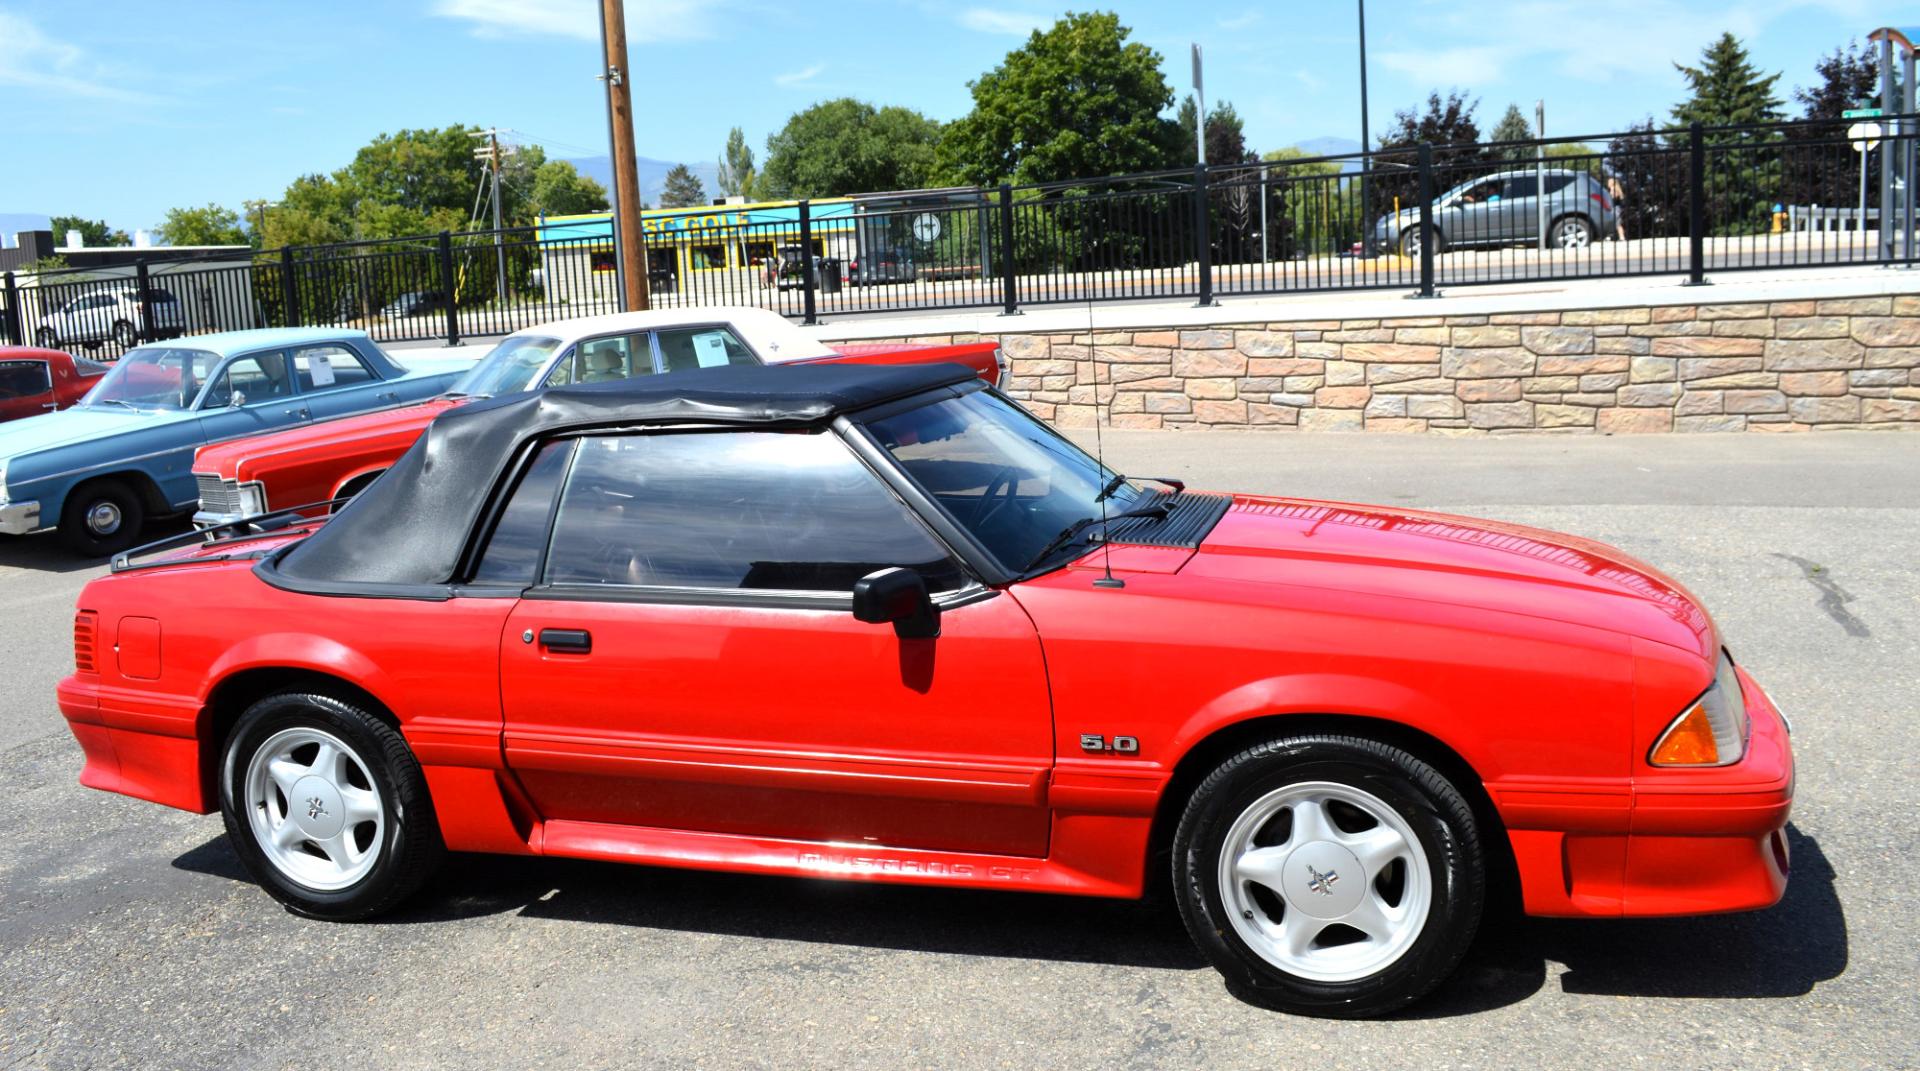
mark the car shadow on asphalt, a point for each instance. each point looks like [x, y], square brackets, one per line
[46, 552]
[1782, 952]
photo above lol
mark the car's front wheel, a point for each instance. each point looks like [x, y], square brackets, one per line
[1412, 238]
[124, 335]
[1329, 875]
[102, 518]
[327, 807]
[47, 338]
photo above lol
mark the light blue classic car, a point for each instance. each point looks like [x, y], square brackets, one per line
[99, 470]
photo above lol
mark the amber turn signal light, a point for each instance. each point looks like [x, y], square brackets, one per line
[1689, 742]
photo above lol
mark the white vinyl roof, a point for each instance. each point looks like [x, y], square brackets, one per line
[771, 335]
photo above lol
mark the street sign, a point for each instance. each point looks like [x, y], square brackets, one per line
[1861, 113]
[1864, 136]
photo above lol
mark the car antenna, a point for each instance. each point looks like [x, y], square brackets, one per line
[1108, 580]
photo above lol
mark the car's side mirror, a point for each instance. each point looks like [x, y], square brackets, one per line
[899, 596]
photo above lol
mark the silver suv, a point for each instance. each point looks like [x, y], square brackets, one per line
[1504, 208]
[110, 313]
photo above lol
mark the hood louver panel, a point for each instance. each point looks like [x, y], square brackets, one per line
[1193, 516]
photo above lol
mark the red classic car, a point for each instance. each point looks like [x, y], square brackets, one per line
[882, 624]
[35, 381]
[339, 458]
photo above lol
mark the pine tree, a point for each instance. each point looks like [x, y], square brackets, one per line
[1513, 126]
[682, 189]
[1743, 166]
[1727, 88]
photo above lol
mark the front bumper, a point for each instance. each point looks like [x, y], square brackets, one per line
[1694, 842]
[203, 519]
[19, 518]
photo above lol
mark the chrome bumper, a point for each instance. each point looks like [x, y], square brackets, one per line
[19, 518]
[203, 519]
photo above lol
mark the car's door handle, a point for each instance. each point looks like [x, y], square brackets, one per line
[572, 640]
[299, 411]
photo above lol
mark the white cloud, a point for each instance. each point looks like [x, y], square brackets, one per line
[1009, 23]
[1470, 66]
[647, 20]
[1500, 35]
[1313, 82]
[1241, 21]
[33, 61]
[799, 77]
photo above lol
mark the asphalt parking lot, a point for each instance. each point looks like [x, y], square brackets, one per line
[129, 937]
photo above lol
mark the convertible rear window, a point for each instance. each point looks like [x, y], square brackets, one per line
[731, 510]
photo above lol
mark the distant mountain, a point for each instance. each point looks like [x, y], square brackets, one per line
[1329, 146]
[653, 175]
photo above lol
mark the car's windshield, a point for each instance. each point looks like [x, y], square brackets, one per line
[1003, 475]
[510, 366]
[154, 377]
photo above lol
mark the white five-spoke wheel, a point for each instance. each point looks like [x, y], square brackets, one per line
[1325, 881]
[313, 809]
[326, 806]
[1572, 233]
[1329, 874]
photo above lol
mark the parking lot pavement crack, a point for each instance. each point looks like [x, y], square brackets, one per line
[1833, 597]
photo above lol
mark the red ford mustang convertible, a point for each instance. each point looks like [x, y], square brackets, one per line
[880, 623]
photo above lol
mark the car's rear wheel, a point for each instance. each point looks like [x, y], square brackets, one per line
[124, 335]
[1329, 875]
[47, 338]
[101, 518]
[327, 807]
[1571, 232]
[1411, 240]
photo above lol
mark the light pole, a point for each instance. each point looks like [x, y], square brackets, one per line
[1366, 144]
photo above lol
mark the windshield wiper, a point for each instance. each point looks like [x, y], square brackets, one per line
[1120, 479]
[1070, 532]
[116, 401]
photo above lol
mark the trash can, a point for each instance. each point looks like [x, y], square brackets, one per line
[829, 275]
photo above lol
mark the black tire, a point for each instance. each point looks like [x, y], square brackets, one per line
[1584, 225]
[47, 338]
[115, 527]
[1410, 242]
[409, 848]
[124, 335]
[1442, 824]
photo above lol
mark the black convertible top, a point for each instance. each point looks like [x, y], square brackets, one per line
[411, 526]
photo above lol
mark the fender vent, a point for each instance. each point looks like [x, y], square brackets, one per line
[85, 625]
[1193, 516]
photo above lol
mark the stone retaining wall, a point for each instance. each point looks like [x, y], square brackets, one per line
[1766, 366]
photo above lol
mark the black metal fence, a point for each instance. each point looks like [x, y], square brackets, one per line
[1677, 202]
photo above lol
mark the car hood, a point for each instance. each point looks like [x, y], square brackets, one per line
[80, 424]
[1437, 557]
[225, 458]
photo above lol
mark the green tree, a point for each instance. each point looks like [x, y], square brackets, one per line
[1448, 125]
[92, 231]
[208, 225]
[561, 190]
[1743, 169]
[1727, 89]
[846, 146]
[736, 166]
[1226, 135]
[1076, 101]
[1825, 174]
[682, 189]
[1513, 126]
[1310, 209]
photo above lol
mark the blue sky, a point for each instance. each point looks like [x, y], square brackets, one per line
[119, 110]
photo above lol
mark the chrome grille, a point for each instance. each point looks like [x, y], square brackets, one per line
[217, 495]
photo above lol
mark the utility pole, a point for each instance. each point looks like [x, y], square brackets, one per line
[631, 255]
[1540, 174]
[494, 154]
